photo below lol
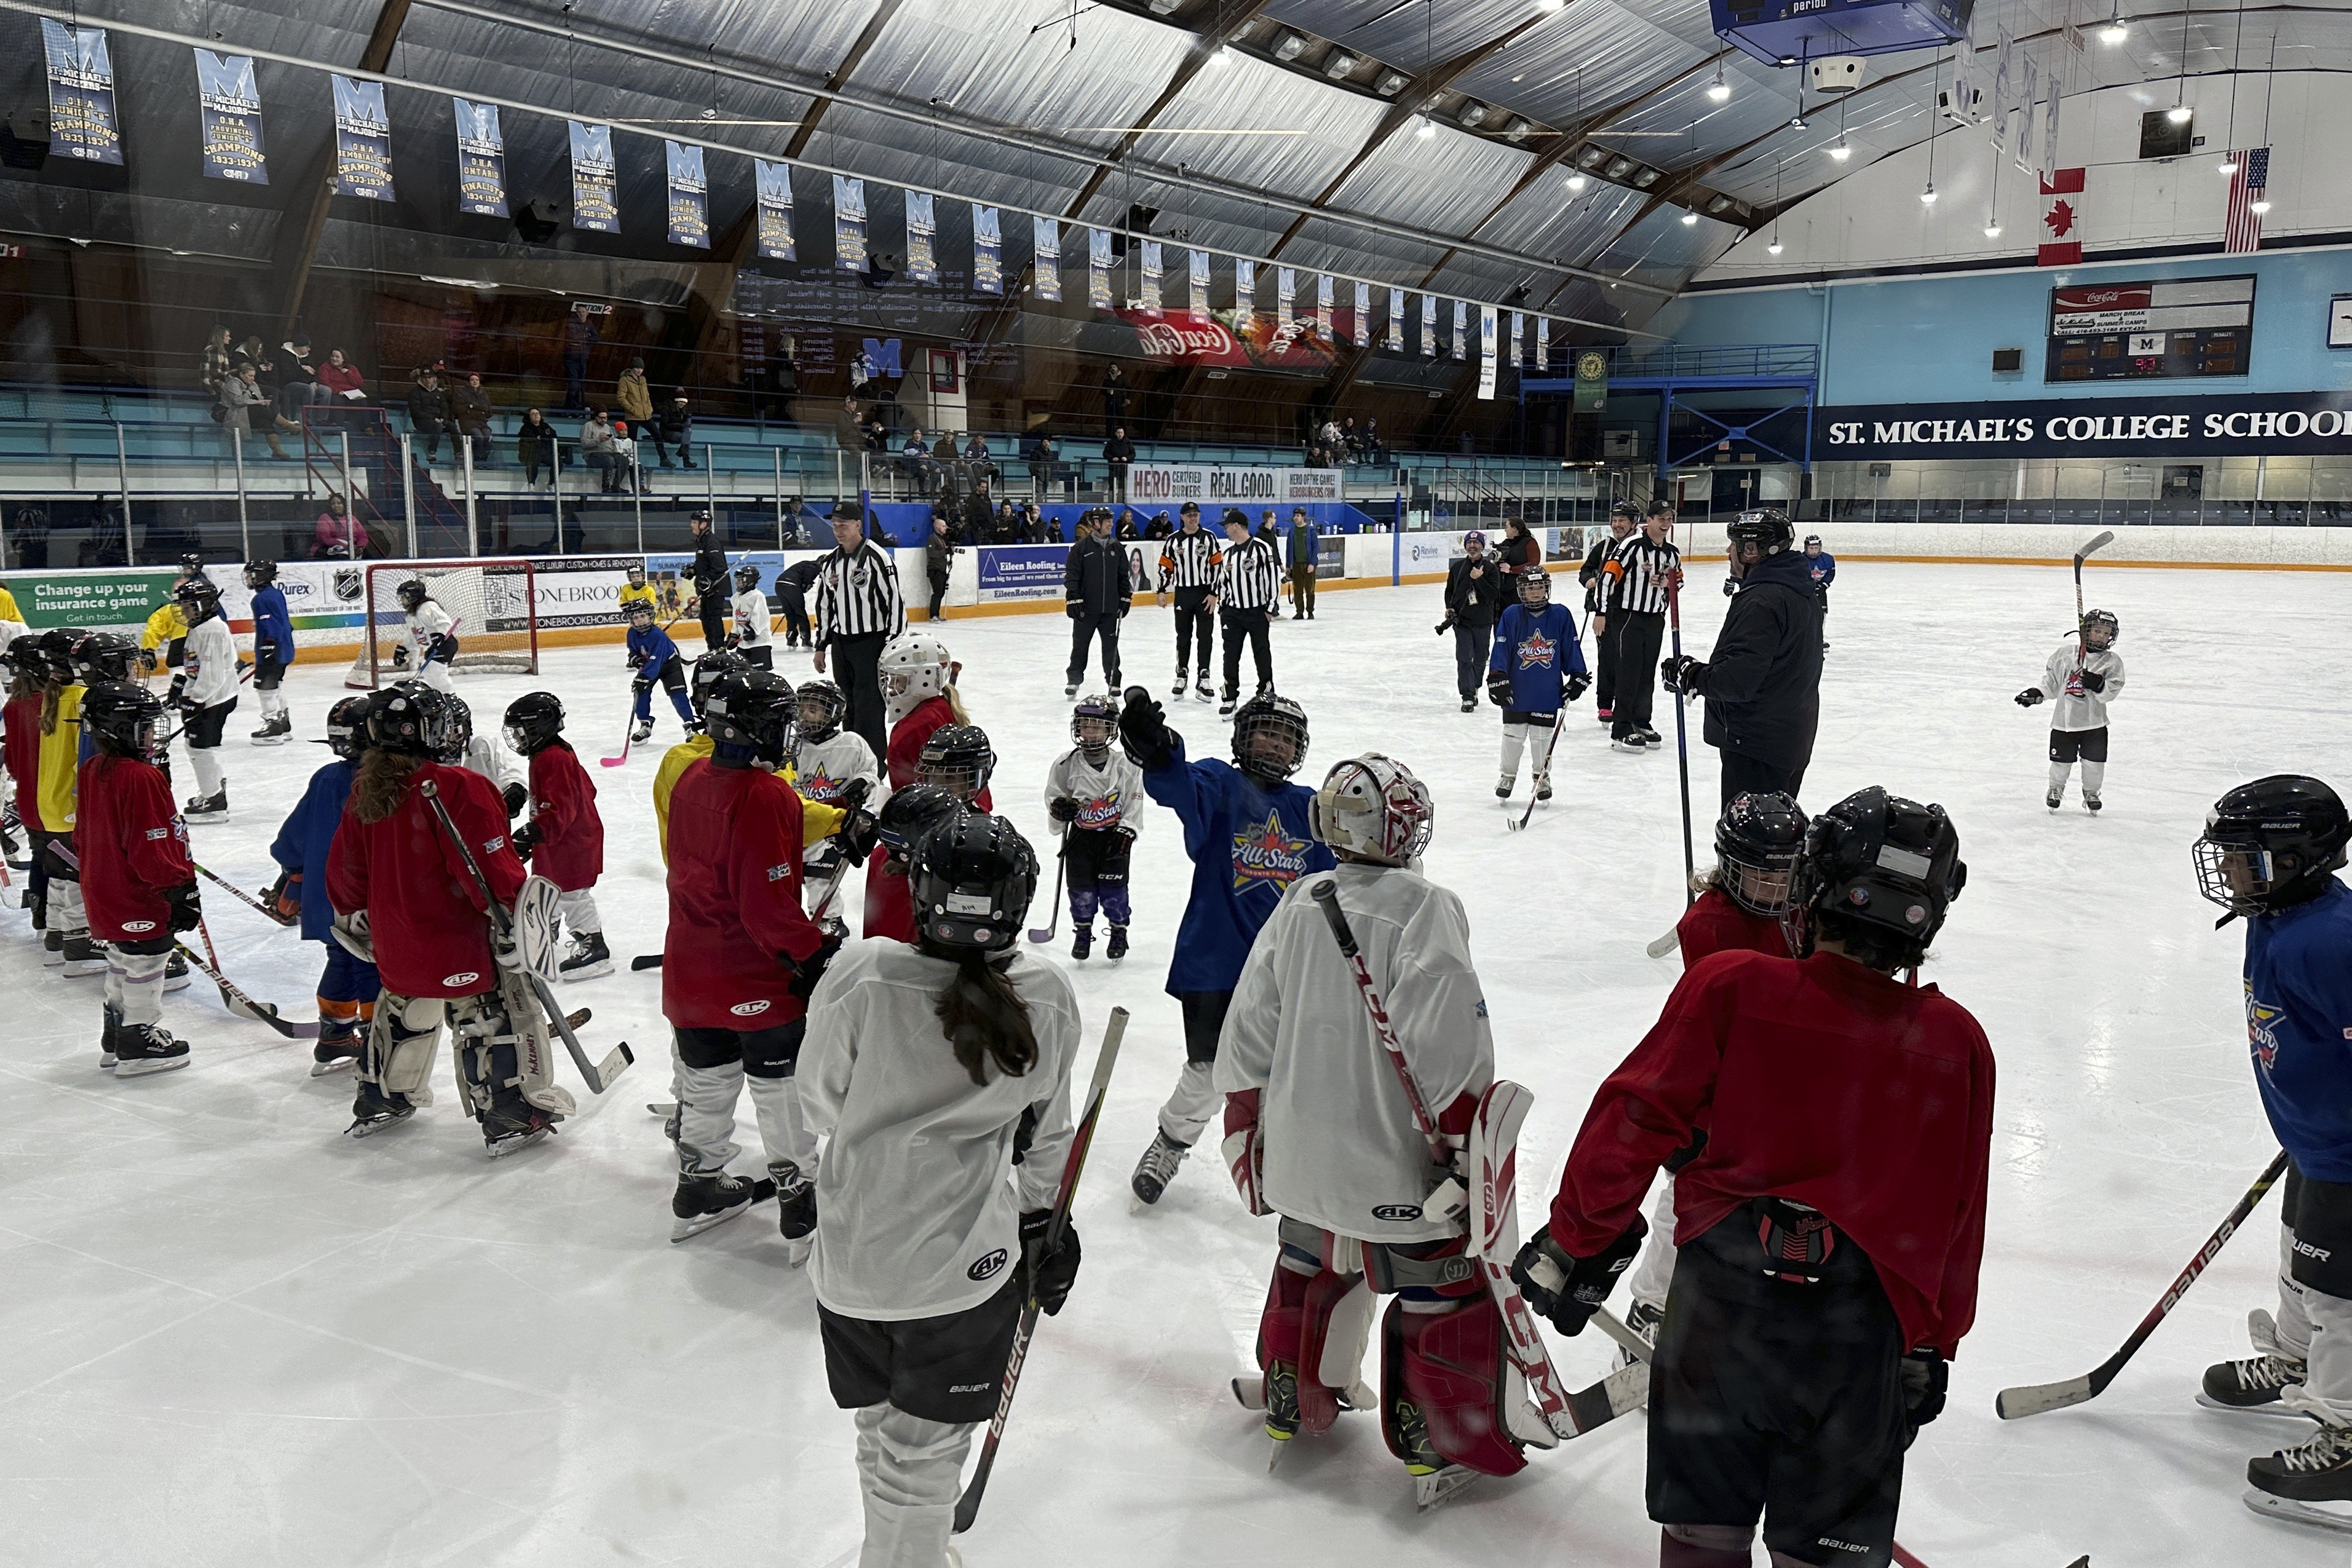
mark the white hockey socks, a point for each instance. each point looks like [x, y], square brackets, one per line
[1515, 740]
[2093, 775]
[208, 770]
[2058, 771]
[776, 1103]
[579, 912]
[1539, 738]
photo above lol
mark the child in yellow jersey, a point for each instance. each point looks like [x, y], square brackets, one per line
[51, 821]
[637, 588]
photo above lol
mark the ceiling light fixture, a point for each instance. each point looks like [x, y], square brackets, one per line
[2116, 29]
[1391, 83]
[1841, 151]
[2180, 113]
[1773, 248]
[1427, 128]
[1338, 63]
[1548, 7]
[2261, 206]
[1290, 45]
[1719, 89]
[2227, 166]
[1928, 195]
[1577, 182]
[1222, 58]
[1690, 218]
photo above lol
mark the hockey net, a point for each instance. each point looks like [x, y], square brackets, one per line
[493, 604]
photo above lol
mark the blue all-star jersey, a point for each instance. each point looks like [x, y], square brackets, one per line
[1248, 844]
[1537, 651]
[2299, 1027]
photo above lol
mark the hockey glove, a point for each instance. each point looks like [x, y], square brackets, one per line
[1568, 1290]
[636, 660]
[285, 898]
[2094, 682]
[640, 686]
[2029, 697]
[1577, 681]
[860, 829]
[1498, 690]
[148, 662]
[187, 906]
[1063, 809]
[516, 797]
[1925, 1375]
[351, 936]
[807, 971]
[1074, 609]
[1244, 1151]
[1443, 627]
[1684, 674]
[525, 839]
[1052, 1271]
[1143, 732]
[176, 697]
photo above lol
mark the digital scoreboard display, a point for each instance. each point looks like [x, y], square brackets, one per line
[2145, 331]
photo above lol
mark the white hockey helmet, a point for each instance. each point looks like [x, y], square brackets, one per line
[914, 669]
[1372, 807]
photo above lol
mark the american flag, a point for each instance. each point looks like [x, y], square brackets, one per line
[2241, 224]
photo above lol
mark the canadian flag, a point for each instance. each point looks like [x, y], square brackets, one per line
[2061, 219]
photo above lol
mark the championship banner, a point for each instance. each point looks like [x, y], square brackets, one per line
[987, 250]
[2028, 126]
[1046, 269]
[595, 180]
[82, 122]
[1429, 326]
[1245, 286]
[228, 108]
[848, 223]
[1396, 320]
[1323, 304]
[1486, 349]
[1286, 291]
[690, 196]
[1098, 268]
[1543, 345]
[1197, 271]
[1154, 276]
[1461, 329]
[362, 140]
[1519, 336]
[481, 160]
[1363, 315]
[922, 235]
[772, 183]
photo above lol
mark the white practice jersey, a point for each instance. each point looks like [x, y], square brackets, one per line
[754, 620]
[428, 621]
[209, 660]
[2073, 708]
[1110, 795]
[1341, 1148]
[493, 761]
[822, 769]
[918, 1201]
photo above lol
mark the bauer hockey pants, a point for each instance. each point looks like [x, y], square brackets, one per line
[2314, 1316]
[135, 980]
[1196, 1099]
[713, 1066]
[1095, 861]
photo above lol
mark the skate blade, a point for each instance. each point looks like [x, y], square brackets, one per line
[593, 972]
[662, 1109]
[369, 1126]
[176, 982]
[505, 1146]
[682, 1229]
[1435, 1487]
[107, 1063]
[2297, 1512]
[148, 1067]
[1276, 1448]
[2273, 1411]
[85, 969]
[320, 1070]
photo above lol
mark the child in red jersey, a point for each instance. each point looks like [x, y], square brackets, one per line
[138, 884]
[564, 838]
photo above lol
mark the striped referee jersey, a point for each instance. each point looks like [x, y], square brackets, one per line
[857, 595]
[1638, 571]
[1190, 560]
[1250, 575]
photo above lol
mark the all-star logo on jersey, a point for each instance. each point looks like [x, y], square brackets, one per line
[1265, 853]
[1101, 811]
[821, 785]
[1537, 651]
[2259, 1016]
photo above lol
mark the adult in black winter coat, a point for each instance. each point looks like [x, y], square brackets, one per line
[1473, 599]
[1119, 452]
[711, 580]
[673, 426]
[1762, 684]
[793, 584]
[1097, 588]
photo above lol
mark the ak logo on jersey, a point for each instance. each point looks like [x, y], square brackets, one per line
[1102, 811]
[2259, 1016]
[1537, 651]
[1265, 853]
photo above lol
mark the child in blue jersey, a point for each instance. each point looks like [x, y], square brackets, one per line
[348, 989]
[273, 651]
[655, 657]
[1537, 666]
[1246, 831]
[2269, 853]
[1822, 567]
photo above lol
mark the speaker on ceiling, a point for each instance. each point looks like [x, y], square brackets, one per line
[538, 219]
[882, 266]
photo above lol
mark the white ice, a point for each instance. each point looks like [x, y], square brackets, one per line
[230, 1335]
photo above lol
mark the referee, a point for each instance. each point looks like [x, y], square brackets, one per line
[1623, 518]
[1247, 580]
[855, 609]
[1187, 563]
[713, 582]
[1637, 575]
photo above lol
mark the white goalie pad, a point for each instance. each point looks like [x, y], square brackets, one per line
[537, 926]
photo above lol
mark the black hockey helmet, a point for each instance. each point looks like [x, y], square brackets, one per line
[637, 612]
[412, 593]
[56, 653]
[534, 721]
[23, 658]
[410, 718]
[458, 734]
[120, 716]
[199, 599]
[2271, 845]
[1269, 738]
[347, 723]
[747, 578]
[972, 878]
[823, 706]
[1813, 542]
[192, 565]
[1769, 530]
[959, 759]
[1534, 585]
[260, 573]
[910, 813]
[102, 656]
[2101, 631]
[1759, 851]
[637, 573]
[710, 669]
[750, 715]
[1881, 872]
[1096, 709]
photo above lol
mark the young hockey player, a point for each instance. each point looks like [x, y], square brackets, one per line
[348, 985]
[403, 893]
[655, 657]
[2084, 680]
[482, 753]
[1537, 668]
[563, 838]
[709, 671]
[740, 961]
[273, 651]
[958, 760]
[1095, 796]
[98, 656]
[67, 939]
[1247, 833]
[20, 742]
[636, 589]
[1829, 1245]
[827, 762]
[1318, 1130]
[926, 1064]
[1822, 567]
[135, 874]
[432, 636]
[918, 685]
[2269, 853]
[755, 620]
[205, 690]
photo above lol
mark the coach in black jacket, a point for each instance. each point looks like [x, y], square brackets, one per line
[1474, 598]
[1095, 584]
[710, 576]
[1763, 683]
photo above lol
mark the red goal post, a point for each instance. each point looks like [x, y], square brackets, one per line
[493, 601]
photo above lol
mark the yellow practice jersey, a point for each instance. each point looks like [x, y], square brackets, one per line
[8, 611]
[818, 821]
[631, 592]
[61, 765]
[165, 624]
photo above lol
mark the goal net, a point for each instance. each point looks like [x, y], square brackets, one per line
[491, 602]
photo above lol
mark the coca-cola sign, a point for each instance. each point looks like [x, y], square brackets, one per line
[1258, 340]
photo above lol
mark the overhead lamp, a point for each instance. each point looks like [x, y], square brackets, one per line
[1717, 204]
[2228, 165]
[1719, 89]
[1690, 218]
[1391, 83]
[1645, 179]
[1577, 183]
[1548, 7]
[1288, 45]
[1618, 169]
[1841, 151]
[1427, 127]
[1161, 7]
[1338, 63]
[1515, 128]
[1773, 248]
[2180, 113]
[1591, 157]
[2116, 29]
[1472, 115]
[1928, 197]
[1992, 231]
[2263, 205]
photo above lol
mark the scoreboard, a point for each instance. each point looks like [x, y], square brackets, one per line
[2129, 332]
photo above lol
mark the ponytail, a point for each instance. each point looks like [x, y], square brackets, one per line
[955, 705]
[382, 781]
[981, 1012]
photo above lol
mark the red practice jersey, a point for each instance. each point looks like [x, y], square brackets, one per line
[132, 845]
[1818, 1079]
[889, 902]
[22, 745]
[426, 916]
[570, 849]
[1715, 924]
[734, 901]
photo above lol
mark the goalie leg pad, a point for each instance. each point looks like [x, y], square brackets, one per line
[503, 1046]
[1443, 1386]
[402, 1040]
[538, 923]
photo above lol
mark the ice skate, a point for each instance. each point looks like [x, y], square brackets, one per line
[1605, 713]
[1118, 948]
[1158, 1166]
[1634, 744]
[276, 730]
[2254, 1387]
[1504, 785]
[588, 959]
[143, 1048]
[2053, 800]
[108, 1034]
[1281, 1395]
[176, 972]
[1543, 787]
[1202, 689]
[704, 1201]
[642, 733]
[1183, 679]
[795, 1210]
[213, 808]
[1651, 737]
[2090, 803]
[52, 949]
[1433, 1481]
[372, 1110]
[510, 1129]
[1070, 688]
[1226, 702]
[1469, 705]
[82, 955]
[1082, 942]
[2309, 1484]
[338, 1046]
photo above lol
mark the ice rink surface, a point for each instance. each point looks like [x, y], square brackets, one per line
[233, 1336]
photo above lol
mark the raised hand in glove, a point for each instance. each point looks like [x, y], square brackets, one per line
[1052, 1269]
[1926, 1376]
[1577, 681]
[2029, 698]
[525, 839]
[515, 797]
[1143, 732]
[1568, 1290]
[1498, 690]
[1063, 809]
[2092, 682]
[807, 971]
[1683, 674]
[187, 906]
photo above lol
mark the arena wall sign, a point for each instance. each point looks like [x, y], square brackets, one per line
[2294, 424]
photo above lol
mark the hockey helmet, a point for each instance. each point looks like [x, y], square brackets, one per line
[1372, 808]
[1759, 850]
[1813, 542]
[2101, 631]
[957, 759]
[1269, 738]
[910, 813]
[749, 716]
[972, 878]
[102, 656]
[410, 718]
[457, 735]
[412, 594]
[260, 573]
[822, 708]
[638, 613]
[1094, 710]
[534, 721]
[1769, 530]
[710, 669]
[1535, 586]
[121, 716]
[914, 667]
[1889, 865]
[191, 564]
[56, 651]
[347, 723]
[2271, 844]
[637, 573]
[199, 601]
[747, 578]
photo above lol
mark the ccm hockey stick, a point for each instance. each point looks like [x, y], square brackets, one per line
[240, 895]
[2033, 1399]
[967, 1507]
[617, 1061]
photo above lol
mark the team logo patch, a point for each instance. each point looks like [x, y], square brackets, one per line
[1397, 1212]
[2259, 1016]
[138, 925]
[464, 977]
[1102, 811]
[987, 1267]
[748, 1009]
[778, 873]
[820, 785]
[1265, 853]
[492, 846]
[2074, 683]
[1537, 651]
[157, 834]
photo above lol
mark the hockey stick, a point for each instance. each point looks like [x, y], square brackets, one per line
[1061, 863]
[832, 887]
[1660, 946]
[243, 1005]
[628, 732]
[1682, 732]
[2098, 541]
[1543, 774]
[617, 1060]
[240, 895]
[2033, 1399]
[968, 1506]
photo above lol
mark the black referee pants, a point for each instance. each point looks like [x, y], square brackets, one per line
[713, 607]
[1606, 641]
[1193, 621]
[1744, 774]
[856, 666]
[1638, 636]
[1250, 624]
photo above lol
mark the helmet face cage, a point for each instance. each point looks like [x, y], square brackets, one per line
[1094, 724]
[1767, 530]
[2100, 631]
[2263, 839]
[198, 600]
[457, 734]
[412, 594]
[746, 579]
[753, 709]
[1372, 807]
[637, 576]
[102, 656]
[1536, 584]
[260, 573]
[1759, 850]
[347, 728]
[957, 759]
[639, 612]
[1270, 738]
[914, 667]
[820, 708]
[122, 716]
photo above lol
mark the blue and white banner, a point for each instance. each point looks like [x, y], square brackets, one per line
[595, 180]
[1045, 271]
[1363, 315]
[1022, 571]
[922, 238]
[1461, 329]
[1543, 344]
[1518, 333]
[1428, 326]
[481, 159]
[1323, 305]
[82, 122]
[1154, 276]
[1285, 292]
[772, 183]
[228, 106]
[1196, 269]
[1098, 268]
[987, 250]
[1396, 321]
[1486, 349]
[1245, 285]
[689, 196]
[848, 223]
[362, 140]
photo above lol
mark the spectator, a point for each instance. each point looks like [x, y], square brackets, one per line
[1008, 524]
[849, 430]
[579, 337]
[675, 428]
[265, 369]
[337, 533]
[635, 398]
[595, 443]
[1473, 602]
[1125, 528]
[1306, 551]
[1034, 529]
[1351, 441]
[215, 366]
[980, 513]
[1114, 398]
[978, 459]
[625, 442]
[950, 464]
[469, 413]
[1267, 532]
[535, 444]
[297, 382]
[877, 434]
[1159, 526]
[939, 559]
[915, 462]
[240, 394]
[1119, 452]
[1327, 438]
[341, 379]
[1517, 553]
[1372, 453]
[1040, 451]
[428, 413]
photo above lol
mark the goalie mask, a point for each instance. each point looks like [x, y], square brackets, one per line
[1759, 848]
[1372, 808]
[914, 667]
[972, 878]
